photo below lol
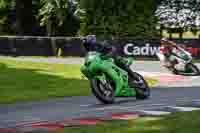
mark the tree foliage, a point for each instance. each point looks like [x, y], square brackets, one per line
[7, 8]
[56, 14]
[105, 18]
[117, 18]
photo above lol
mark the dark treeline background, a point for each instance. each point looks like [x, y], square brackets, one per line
[105, 18]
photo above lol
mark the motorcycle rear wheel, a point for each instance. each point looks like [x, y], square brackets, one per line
[142, 88]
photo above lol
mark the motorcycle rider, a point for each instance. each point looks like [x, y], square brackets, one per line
[90, 44]
[165, 52]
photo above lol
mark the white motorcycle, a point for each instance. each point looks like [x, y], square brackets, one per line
[182, 61]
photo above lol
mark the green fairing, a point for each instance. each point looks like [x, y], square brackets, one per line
[98, 66]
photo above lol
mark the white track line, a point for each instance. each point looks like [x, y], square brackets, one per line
[154, 113]
[184, 109]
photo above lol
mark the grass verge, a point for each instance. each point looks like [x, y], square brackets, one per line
[197, 61]
[28, 81]
[175, 123]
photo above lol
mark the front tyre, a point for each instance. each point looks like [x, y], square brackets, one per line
[139, 83]
[193, 69]
[103, 91]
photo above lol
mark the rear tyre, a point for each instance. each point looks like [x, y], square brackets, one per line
[142, 89]
[104, 92]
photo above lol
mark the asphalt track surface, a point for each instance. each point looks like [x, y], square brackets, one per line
[166, 97]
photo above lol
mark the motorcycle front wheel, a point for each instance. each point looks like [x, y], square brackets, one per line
[193, 69]
[190, 70]
[103, 91]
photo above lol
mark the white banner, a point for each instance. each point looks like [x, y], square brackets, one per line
[147, 50]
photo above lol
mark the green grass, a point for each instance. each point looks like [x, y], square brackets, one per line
[197, 61]
[28, 81]
[175, 123]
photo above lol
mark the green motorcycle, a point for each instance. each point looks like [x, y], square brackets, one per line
[109, 78]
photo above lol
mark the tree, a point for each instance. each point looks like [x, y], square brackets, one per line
[7, 17]
[19, 18]
[179, 15]
[58, 16]
[117, 18]
[25, 18]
